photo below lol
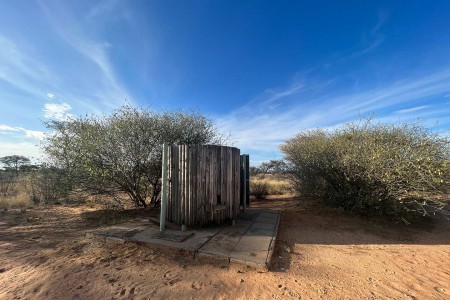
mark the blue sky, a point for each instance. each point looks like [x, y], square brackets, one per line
[263, 70]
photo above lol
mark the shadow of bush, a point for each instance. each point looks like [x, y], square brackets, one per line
[106, 217]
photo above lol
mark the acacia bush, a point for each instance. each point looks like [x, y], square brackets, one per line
[121, 152]
[400, 171]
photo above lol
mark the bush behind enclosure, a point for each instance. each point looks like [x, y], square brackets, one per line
[393, 170]
[122, 152]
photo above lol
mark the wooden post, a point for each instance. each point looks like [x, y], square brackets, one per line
[162, 222]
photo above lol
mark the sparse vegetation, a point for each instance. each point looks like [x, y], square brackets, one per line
[401, 171]
[259, 189]
[276, 185]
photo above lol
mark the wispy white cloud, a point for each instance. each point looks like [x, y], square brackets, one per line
[4, 127]
[35, 134]
[57, 111]
[374, 39]
[22, 70]
[261, 129]
[107, 88]
[274, 95]
[412, 109]
[101, 7]
[29, 71]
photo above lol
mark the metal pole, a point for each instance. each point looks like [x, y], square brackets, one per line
[162, 222]
[244, 160]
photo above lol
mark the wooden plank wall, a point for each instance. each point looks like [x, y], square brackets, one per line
[203, 185]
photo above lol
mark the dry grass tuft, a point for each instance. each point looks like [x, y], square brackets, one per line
[20, 200]
[276, 185]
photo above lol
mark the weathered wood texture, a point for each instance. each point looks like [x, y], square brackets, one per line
[204, 184]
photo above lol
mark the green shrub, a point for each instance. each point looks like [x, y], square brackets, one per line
[401, 171]
[259, 189]
[48, 185]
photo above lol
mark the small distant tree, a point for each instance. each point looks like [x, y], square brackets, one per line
[14, 162]
[254, 171]
[123, 151]
[274, 166]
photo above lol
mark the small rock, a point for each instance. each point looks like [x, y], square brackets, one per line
[280, 286]
[242, 280]
[287, 249]
[2, 270]
[197, 285]
[439, 289]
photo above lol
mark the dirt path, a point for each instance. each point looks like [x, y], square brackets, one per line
[319, 254]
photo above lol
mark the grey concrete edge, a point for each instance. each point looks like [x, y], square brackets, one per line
[272, 242]
[105, 238]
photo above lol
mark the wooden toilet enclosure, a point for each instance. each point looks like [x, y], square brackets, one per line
[204, 184]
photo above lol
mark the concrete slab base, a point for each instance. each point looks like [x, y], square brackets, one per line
[250, 241]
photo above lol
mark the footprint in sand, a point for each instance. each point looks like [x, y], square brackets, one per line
[132, 291]
[172, 278]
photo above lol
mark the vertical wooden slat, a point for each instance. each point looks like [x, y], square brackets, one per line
[189, 185]
[199, 175]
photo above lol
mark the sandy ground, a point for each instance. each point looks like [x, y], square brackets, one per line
[320, 253]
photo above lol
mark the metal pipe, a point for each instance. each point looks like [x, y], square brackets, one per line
[245, 181]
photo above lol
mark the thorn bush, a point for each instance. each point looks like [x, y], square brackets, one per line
[259, 189]
[400, 171]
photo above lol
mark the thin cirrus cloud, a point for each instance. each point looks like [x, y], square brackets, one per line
[107, 88]
[21, 132]
[22, 71]
[412, 109]
[30, 74]
[260, 127]
[28, 69]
